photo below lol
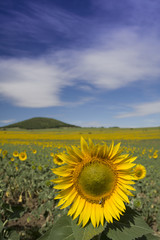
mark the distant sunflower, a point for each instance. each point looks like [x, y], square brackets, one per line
[15, 154]
[52, 154]
[155, 155]
[5, 152]
[94, 182]
[34, 151]
[22, 156]
[57, 160]
[139, 171]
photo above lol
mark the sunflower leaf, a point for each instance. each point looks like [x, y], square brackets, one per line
[148, 237]
[61, 230]
[87, 232]
[129, 227]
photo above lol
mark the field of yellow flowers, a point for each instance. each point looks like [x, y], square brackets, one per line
[27, 205]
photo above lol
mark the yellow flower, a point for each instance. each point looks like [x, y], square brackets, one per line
[57, 159]
[52, 154]
[139, 171]
[155, 155]
[94, 182]
[34, 151]
[15, 154]
[12, 159]
[5, 152]
[23, 156]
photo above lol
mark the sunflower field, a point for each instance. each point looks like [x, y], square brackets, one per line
[53, 184]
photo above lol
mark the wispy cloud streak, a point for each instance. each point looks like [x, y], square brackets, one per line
[143, 109]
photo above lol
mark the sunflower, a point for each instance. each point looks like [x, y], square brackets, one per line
[139, 171]
[34, 151]
[23, 156]
[94, 182]
[52, 154]
[58, 160]
[12, 159]
[15, 154]
[155, 155]
[4, 153]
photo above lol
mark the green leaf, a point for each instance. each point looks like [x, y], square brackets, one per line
[1, 226]
[87, 232]
[14, 236]
[148, 237]
[129, 227]
[67, 229]
[61, 230]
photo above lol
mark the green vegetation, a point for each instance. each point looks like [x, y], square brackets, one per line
[27, 206]
[39, 123]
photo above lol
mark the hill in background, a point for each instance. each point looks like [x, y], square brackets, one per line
[39, 123]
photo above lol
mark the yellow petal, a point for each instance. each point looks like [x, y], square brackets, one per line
[119, 201]
[60, 179]
[111, 149]
[93, 215]
[63, 185]
[107, 214]
[111, 210]
[122, 194]
[63, 171]
[74, 206]
[67, 159]
[79, 208]
[64, 199]
[84, 146]
[126, 176]
[115, 150]
[78, 153]
[98, 214]
[87, 213]
[64, 193]
[69, 200]
[125, 166]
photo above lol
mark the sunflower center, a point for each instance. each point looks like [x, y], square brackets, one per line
[96, 180]
[139, 173]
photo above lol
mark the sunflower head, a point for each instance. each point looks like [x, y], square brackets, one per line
[52, 154]
[155, 155]
[34, 151]
[57, 160]
[139, 171]
[4, 153]
[15, 154]
[94, 182]
[12, 159]
[22, 156]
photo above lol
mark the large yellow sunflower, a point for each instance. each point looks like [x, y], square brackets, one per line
[94, 182]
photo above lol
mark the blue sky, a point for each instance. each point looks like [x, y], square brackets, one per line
[84, 62]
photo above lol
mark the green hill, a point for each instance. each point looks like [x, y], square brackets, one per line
[39, 123]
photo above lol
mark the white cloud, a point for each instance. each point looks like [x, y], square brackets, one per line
[31, 83]
[7, 121]
[143, 109]
[126, 56]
